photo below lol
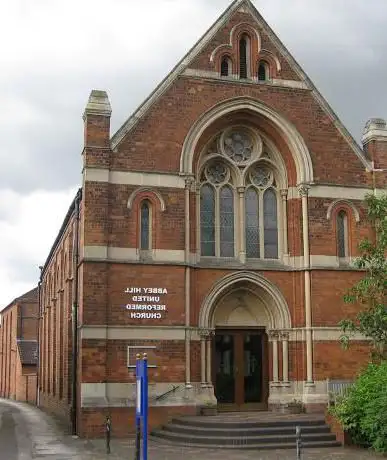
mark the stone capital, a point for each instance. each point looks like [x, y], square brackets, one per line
[241, 190]
[284, 193]
[273, 335]
[206, 333]
[190, 183]
[284, 335]
[303, 190]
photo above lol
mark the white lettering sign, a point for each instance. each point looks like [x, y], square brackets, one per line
[146, 302]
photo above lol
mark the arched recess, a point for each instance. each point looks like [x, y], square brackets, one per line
[143, 190]
[345, 203]
[290, 135]
[279, 315]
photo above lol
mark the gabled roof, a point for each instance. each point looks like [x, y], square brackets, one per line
[28, 351]
[200, 45]
[30, 296]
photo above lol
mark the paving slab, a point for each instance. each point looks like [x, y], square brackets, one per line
[125, 449]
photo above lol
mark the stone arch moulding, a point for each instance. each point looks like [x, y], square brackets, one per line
[148, 190]
[282, 313]
[294, 140]
[271, 57]
[348, 203]
[242, 27]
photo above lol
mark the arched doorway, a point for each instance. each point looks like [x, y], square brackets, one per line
[242, 309]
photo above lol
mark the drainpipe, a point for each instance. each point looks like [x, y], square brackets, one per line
[74, 360]
[38, 337]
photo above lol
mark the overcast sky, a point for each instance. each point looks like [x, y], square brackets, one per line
[53, 52]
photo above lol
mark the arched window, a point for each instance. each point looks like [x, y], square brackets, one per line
[145, 226]
[236, 158]
[342, 235]
[207, 220]
[226, 221]
[225, 67]
[270, 224]
[243, 57]
[217, 211]
[263, 71]
[261, 221]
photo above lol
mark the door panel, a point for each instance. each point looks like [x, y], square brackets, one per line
[240, 369]
[252, 348]
[225, 370]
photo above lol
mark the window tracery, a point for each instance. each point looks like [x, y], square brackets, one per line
[238, 159]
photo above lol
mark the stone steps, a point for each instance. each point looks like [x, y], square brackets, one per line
[247, 432]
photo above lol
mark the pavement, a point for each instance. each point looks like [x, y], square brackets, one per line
[27, 433]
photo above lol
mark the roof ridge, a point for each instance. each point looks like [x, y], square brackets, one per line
[200, 44]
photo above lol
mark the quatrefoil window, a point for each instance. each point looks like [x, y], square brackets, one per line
[261, 177]
[217, 173]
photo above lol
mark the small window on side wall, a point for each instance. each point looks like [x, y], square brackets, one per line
[342, 235]
[225, 67]
[263, 71]
[145, 226]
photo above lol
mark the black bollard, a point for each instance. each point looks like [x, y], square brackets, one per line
[298, 442]
[108, 428]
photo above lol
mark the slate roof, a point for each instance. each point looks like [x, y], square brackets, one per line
[28, 351]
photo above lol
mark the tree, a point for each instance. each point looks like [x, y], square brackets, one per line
[370, 293]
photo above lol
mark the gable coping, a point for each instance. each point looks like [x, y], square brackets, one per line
[246, 6]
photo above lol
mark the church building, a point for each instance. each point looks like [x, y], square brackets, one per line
[214, 231]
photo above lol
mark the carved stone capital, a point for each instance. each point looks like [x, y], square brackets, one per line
[273, 335]
[206, 334]
[303, 190]
[190, 184]
[284, 336]
[284, 193]
[241, 190]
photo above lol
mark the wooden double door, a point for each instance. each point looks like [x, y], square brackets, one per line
[240, 369]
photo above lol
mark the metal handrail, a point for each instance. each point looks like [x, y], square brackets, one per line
[172, 390]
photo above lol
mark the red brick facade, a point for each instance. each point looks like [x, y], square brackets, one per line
[134, 268]
[18, 348]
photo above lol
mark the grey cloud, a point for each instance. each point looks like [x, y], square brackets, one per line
[345, 59]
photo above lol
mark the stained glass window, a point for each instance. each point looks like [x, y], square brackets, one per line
[145, 226]
[270, 224]
[226, 222]
[207, 220]
[341, 234]
[252, 223]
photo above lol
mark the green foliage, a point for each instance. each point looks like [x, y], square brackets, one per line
[370, 293]
[363, 410]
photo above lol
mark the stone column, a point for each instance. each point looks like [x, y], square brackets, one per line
[273, 336]
[284, 196]
[285, 357]
[304, 190]
[241, 231]
[188, 185]
[209, 357]
[203, 333]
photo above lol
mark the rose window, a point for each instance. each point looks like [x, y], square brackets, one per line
[238, 146]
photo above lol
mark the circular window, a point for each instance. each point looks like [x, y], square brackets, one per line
[238, 146]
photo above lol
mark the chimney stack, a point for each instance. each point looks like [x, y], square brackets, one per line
[375, 142]
[97, 130]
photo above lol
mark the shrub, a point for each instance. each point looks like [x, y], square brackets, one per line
[363, 410]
